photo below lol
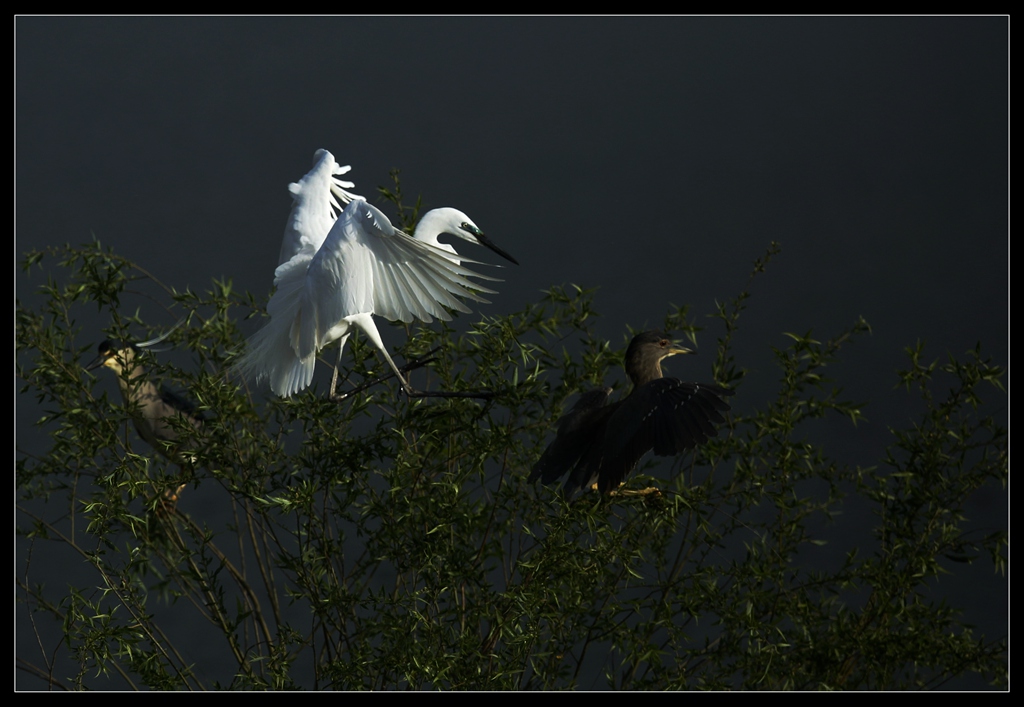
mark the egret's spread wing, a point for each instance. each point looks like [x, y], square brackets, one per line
[318, 198]
[665, 415]
[368, 266]
[577, 430]
[272, 352]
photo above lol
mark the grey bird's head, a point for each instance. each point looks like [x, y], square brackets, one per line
[646, 352]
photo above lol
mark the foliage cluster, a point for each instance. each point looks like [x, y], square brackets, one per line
[394, 544]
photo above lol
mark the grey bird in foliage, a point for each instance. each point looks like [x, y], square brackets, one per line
[153, 408]
[601, 444]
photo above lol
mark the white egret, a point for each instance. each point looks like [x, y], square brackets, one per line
[601, 444]
[359, 267]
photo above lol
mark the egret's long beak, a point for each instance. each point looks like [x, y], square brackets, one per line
[487, 243]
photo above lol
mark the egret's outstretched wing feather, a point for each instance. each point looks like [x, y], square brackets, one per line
[367, 266]
[272, 351]
[413, 278]
[318, 199]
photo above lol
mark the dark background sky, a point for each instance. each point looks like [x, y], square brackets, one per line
[653, 158]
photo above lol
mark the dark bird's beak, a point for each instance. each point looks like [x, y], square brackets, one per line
[100, 360]
[677, 349]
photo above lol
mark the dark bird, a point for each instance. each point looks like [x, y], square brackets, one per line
[601, 444]
[152, 407]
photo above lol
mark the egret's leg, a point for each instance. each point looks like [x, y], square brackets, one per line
[365, 322]
[411, 365]
[341, 347]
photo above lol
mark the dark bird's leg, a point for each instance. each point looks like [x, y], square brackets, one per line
[626, 493]
[169, 499]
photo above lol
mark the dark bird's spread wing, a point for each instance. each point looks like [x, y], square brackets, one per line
[665, 415]
[598, 443]
[576, 430]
